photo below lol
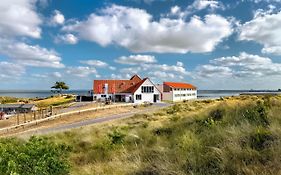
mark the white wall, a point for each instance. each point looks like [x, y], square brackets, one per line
[147, 97]
[168, 96]
[183, 94]
[98, 96]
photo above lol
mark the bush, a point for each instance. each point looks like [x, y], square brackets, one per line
[174, 109]
[116, 137]
[257, 114]
[217, 114]
[163, 131]
[34, 157]
[261, 139]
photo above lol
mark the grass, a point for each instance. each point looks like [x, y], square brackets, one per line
[54, 101]
[237, 135]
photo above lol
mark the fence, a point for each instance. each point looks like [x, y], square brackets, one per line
[34, 118]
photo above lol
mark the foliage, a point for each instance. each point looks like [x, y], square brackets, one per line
[59, 85]
[116, 137]
[237, 135]
[37, 156]
[5, 100]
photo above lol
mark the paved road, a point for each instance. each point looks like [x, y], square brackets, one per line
[65, 127]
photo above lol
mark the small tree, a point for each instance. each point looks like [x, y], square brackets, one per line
[59, 86]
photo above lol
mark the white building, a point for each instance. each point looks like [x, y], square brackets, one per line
[135, 90]
[173, 91]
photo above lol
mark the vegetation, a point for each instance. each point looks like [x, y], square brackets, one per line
[5, 100]
[54, 101]
[238, 135]
[37, 156]
[60, 86]
[235, 135]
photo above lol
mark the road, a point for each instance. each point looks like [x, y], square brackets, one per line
[69, 126]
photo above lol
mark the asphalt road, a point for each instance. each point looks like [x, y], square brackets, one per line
[69, 126]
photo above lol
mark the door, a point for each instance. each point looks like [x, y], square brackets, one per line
[155, 98]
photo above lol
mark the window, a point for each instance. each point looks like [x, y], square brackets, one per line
[138, 97]
[147, 89]
[103, 95]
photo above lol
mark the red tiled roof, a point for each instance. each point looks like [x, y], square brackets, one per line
[117, 86]
[179, 85]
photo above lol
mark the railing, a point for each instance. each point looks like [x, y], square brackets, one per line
[28, 123]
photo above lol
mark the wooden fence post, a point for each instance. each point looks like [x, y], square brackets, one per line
[18, 119]
[24, 116]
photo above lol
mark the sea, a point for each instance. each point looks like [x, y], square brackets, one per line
[206, 94]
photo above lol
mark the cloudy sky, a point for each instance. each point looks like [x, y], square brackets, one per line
[213, 44]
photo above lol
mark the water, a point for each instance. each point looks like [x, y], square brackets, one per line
[218, 93]
[47, 93]
[37, 93]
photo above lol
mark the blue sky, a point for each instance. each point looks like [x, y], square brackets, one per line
[209, 43]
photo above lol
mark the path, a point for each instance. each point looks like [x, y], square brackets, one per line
[65, 127]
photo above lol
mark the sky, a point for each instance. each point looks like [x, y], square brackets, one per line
[209, 43]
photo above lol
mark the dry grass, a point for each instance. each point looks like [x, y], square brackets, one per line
[53, 101]
[239, 135]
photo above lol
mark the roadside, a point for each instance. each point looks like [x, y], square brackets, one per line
[81, 120]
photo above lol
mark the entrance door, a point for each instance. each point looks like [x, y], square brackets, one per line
[155, 98]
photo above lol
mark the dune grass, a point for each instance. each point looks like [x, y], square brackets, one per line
[54, 101]
[238, 135]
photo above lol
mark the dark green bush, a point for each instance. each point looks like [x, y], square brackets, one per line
[261, 139]
[257, 114]
[217, 114]
[116, 137]
[163, 131]
[174, 109]
[35, 157]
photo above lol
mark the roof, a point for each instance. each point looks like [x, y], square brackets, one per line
[117, 86]
[179, 85]
[134, 88]
[25, 106]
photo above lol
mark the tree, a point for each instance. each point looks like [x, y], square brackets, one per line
[59, 86]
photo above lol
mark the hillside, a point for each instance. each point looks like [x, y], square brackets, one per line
[236, 135]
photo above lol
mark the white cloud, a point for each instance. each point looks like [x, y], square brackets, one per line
[264, 29]
[136, 59]
[196, 6]
[56, 74]
[179, 69]
[245, 66]
[19, 18]
[30, 55]
[158, 71]
[95, 63]
[10, 70]
[202, 4]
[162, 75]
[57, 18]
[132, 28]
[208, 71]
[244, 59]
[180, 64]
[81, 71]
[67, 39]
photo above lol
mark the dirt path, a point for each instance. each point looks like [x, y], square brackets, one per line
[67, 126]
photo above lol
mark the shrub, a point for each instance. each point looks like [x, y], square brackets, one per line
[217, 114]
[257, 114]
[261, 139]
[116, 137]
[36, 156]
[163, 131]
[174, 109]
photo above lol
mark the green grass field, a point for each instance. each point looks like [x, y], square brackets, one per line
[235, 135]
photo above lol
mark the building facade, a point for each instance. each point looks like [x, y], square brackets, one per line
[134, 90]
[174, 91]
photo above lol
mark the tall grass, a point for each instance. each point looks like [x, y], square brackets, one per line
[239, 135]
